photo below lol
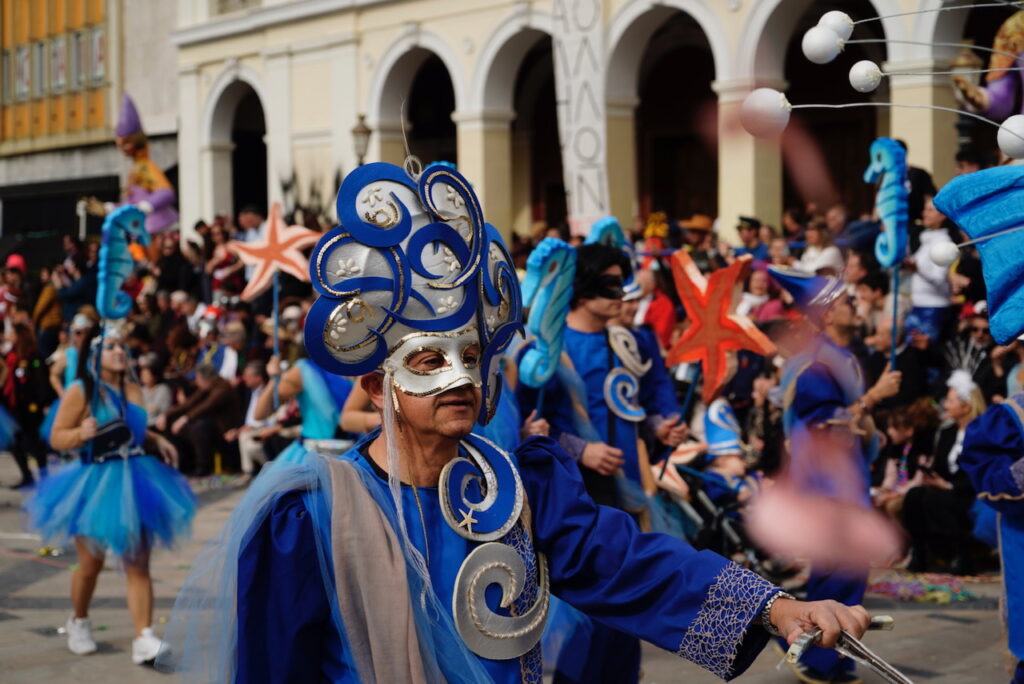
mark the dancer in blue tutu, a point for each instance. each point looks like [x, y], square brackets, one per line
[115, 497]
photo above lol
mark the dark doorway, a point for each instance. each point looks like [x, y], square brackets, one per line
[537, 119]
[429, 111]
[676, 122]
[249, 156]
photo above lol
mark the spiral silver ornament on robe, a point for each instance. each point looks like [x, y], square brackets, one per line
[486, 632]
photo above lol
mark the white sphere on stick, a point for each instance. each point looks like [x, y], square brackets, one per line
[765, 113]
[1011, 137]
[821, 44]
[840, 23]
[865, 76]
[944, 253]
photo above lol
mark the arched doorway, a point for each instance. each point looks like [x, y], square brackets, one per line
[249, 156]
[538, 182]
[431, 101]
[236, 152]
[825, 151]
[676, 122]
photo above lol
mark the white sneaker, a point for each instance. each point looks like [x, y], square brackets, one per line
[79, 631]
[146, 648]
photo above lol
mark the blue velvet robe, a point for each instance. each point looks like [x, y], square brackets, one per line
[696, 604]
[993, 459]
[593, 359]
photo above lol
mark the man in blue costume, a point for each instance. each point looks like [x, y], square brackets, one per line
[426, 554]
[993, 458]
[824, 398]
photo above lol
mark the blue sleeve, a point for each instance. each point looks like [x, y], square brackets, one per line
[285, 631]
[993, 458]
[818, 398]
[694, 603]
[657, 392]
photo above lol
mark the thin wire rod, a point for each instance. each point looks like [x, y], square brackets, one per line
[860, 41]
[939, 9]
[849, 105]
[948, 73]
[985, 238]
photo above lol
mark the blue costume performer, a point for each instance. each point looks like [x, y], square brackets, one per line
[114, 497]
[820, 383]
[320, 395]
[425, 553]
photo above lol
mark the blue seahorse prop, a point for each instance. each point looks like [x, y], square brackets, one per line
[116, 262]
[988, 205]
[547, 290]
[888, 168]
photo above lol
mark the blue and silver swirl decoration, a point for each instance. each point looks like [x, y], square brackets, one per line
[547, 290]
[412, 255]
[621, 386]
[482, 499]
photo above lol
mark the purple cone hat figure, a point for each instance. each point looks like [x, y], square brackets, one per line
[148, 187]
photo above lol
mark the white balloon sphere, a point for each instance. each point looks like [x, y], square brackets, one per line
[840, 23]
[865, 76]
[944, 253]
[821, 44]
[765, 113]
[1011, 137]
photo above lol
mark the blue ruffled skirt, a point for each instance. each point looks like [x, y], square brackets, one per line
[124, 506]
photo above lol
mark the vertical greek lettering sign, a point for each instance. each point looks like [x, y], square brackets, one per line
[579, 89]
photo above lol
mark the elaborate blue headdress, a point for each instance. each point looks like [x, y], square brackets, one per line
[984, 204]
[721, 430]
[412, 265]
[812, 294]
[608, 231]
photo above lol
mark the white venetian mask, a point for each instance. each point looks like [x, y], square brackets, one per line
[455, 363]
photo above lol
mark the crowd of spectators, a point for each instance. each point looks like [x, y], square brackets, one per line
[202, 354]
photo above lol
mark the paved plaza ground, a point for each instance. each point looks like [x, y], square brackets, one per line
[932, 644]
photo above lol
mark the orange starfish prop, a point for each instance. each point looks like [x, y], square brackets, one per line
[281, 250]
[716, 331]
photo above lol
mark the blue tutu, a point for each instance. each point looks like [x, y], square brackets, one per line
[46, 427]
[124, 506]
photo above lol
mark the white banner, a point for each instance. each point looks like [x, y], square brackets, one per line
[579, 91]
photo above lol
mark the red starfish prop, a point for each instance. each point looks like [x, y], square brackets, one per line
[280, 250]
[716, 331]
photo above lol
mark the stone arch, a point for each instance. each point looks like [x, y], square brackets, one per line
[230, 86]
[494, 80]
[761, 54]
[632, 28]
[396, 71]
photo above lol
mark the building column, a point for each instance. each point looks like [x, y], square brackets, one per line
[278, 121]
[215, 163]
[749, 168]
[484, 144]
[189, 169]
[621, 159]
[522, 184]
[386, 142]
[930, 135]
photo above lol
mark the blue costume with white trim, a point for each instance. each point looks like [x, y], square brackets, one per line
[341, 572]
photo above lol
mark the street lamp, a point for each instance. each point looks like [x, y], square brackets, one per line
[361, 138]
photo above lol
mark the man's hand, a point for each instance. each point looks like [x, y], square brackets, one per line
[671, 432]
[274, 366]
[231, 435]
[602, 458]
[888, 385]
[161, 423]
[534, 426]
[793, 618]
[179, 425]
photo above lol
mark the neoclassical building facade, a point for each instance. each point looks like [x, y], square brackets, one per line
[269, 92]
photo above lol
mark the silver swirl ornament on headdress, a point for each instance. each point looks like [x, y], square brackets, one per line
[412, 256]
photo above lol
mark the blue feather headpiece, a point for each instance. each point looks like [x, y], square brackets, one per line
[984, 203]
[413, 256]
[608, 231]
